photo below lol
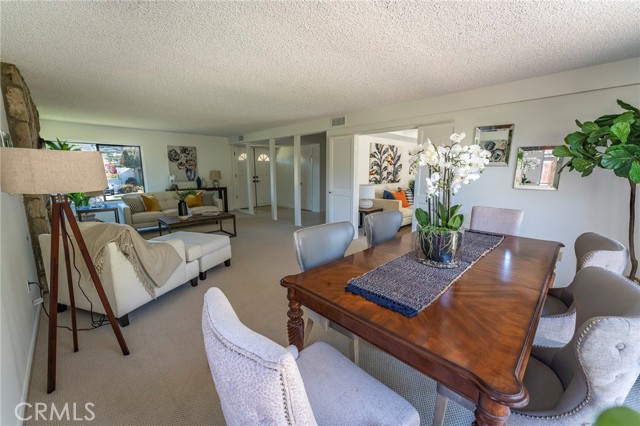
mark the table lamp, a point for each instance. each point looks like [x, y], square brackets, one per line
[367, 194]
[215, 177]
[40, 171]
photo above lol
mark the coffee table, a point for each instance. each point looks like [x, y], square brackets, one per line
[172, 222]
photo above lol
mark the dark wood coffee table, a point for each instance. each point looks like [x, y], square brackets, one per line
[171, 222]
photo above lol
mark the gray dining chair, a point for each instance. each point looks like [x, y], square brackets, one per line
[315, 246]
[260, 382]
[558, 319]
[382, 226]
[570, 385]
[496, 220]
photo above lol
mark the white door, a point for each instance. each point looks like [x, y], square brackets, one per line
[262, 177]
[240, 163]
[438, 134]
[341, 203]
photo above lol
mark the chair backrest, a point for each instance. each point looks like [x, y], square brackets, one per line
[322, 244]
[602, 362]
[597, 250]
[257, 380]
[382, 226]
[497, 220]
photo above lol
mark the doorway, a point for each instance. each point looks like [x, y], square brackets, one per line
[257, 167]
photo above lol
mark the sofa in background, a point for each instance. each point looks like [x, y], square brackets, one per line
[139, 215]
[391, 205]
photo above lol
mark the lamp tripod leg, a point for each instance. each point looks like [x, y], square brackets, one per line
[72, 301]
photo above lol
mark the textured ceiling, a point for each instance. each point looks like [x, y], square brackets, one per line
[227, 68]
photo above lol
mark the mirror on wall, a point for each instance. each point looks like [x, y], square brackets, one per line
[537, 168]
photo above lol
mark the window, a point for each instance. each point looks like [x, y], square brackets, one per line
[122, 166]
[263, 157]
[242, 157]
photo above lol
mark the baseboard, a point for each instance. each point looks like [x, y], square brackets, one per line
[32, 349]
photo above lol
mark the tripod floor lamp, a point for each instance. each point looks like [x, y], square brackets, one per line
[40, 171]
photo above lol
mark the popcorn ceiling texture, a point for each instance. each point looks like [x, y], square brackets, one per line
[225, 68]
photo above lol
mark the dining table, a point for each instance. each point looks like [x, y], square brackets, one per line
[474, 338]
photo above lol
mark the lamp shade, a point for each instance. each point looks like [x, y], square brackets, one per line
[44, 171]
[215, 175]
[367, 192]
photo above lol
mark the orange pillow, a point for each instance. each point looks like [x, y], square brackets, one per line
[194, 200]
[151, 203]
[401, 197]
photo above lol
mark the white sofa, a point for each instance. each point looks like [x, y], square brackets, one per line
[390, 205]
[169, 205]
[121, 284]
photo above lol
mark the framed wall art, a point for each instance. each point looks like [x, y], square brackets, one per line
[385, 163]
[496, 140]
[183, 162]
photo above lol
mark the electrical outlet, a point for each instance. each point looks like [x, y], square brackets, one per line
[28, 287]
[559, 256]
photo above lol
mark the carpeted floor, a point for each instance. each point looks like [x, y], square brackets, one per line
[166, 380]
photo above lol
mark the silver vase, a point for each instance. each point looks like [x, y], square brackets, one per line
[440, 249]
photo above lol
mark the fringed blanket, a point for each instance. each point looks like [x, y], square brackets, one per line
[153, 263]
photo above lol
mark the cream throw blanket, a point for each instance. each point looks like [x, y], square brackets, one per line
[153, 263]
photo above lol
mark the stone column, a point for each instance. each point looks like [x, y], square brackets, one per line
[24, 128]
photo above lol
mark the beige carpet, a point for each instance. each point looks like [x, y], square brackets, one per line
[166, 380]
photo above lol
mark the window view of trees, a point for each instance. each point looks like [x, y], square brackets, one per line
[122, 166]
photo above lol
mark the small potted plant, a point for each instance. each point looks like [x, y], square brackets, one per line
[183, 210]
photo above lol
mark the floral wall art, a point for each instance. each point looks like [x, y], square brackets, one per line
[385, 163]
[183, 162]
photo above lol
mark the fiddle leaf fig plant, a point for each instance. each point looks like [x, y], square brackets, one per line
[611, 142]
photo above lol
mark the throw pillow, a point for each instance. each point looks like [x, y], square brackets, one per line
[134, 202]
[401, 197]
[409, 194]
[388, 195]
[207, 198]
[194, 200]
[151, 203]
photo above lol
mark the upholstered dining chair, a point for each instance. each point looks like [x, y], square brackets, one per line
[315, 246]
[260, 382]
[570, 385]
[558, 318]
[382, 226]
[497, 220]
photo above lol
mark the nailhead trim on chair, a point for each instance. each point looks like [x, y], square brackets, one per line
[232, 347]
[588, 397]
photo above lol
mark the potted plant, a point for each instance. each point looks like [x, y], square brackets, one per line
[440, 230]
[611, 142]
[183, 210]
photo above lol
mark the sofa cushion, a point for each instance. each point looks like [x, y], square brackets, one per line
[144, 217]
[388, 195]
[207, 198]
[194, 200]
[134, 202]
[150, 202]
[409, 194]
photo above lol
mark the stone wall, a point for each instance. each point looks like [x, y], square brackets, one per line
[24, 128]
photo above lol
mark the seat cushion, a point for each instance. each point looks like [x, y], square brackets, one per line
[544, 386]
[553, 306]
[146, 217]
[197, 244]
[342, 393]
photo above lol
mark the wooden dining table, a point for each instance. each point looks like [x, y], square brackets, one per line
[475, 338]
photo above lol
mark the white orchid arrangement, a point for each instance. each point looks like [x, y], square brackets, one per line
[448, 168]
[529, 163]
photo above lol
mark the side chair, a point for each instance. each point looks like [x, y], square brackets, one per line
[497, 220]
[382, 226]
[315, 246]
[558, 318]
[260, 382]
[571, 385]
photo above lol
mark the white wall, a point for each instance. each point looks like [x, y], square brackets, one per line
[543, 110]
[18, 316]
[214, 153]
[284, 173]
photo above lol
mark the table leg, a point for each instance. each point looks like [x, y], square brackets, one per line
[295, 323]
[490, 413]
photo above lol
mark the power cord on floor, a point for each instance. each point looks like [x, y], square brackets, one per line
[95, 323]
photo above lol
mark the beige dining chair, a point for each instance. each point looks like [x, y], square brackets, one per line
[496, 220]
[382, 226]
[315, 246]
[558, 319]
[570, 385]
[260, 382]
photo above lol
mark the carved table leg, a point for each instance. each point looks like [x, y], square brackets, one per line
[295, 324]
[490, 413]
